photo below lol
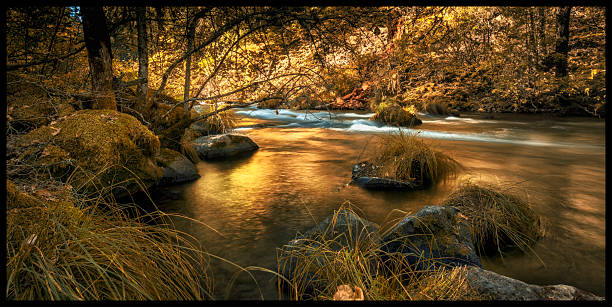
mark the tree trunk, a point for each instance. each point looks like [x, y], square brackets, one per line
[143, 54]
[542, 50]
[562, 44]
[190, 31]
[533, 37]
[97, 41]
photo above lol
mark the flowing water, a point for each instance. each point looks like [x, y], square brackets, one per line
[299, 175]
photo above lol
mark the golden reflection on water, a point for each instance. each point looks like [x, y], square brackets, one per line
[298, 177]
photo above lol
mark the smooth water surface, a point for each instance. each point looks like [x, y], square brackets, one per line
[300, 173]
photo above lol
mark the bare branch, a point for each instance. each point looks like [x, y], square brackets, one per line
[18, 66]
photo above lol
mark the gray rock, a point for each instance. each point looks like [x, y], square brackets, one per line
[363, 176]
[176, 168]
[493, 286]
[179, 171]
[223, 145]
[342, 229]
[434, 236]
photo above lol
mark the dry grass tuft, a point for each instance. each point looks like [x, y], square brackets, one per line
[498, 218]
[72, 249]
[403, 156]
[320, 268]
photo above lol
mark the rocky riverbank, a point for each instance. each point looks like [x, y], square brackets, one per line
[433, 244]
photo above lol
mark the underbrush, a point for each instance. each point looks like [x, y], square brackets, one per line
[71, 249]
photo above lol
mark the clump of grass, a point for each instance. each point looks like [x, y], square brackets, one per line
[403, 156]
[498, 218]
[71, 250]
[396, 115]
[186, 146]
[323, 263]
[221, 122]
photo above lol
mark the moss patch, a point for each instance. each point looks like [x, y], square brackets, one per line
[395, 115]
[18, 199]
[108, 148]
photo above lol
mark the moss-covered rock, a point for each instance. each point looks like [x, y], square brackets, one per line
[18, 199]
[106, 149]
[396, 116]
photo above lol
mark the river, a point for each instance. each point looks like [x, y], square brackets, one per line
[300, 173]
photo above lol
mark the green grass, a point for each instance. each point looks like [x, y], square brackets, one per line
[361, 263]
[499, 219]
[403, 156]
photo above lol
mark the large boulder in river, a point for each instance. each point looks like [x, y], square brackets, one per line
[435, 236]
[492, 286]
[176, 168]
[98, 150]
[304, 259]
[223, 146]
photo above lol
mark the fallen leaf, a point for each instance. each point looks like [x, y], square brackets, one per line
[55, 130]
[346, 293]
[43, 193]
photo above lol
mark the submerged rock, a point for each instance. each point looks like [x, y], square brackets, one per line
[493, 286]
[176, 168]
[434, 236]
[365, 175]
[223, 146]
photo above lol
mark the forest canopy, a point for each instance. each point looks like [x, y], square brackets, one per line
[487, 59]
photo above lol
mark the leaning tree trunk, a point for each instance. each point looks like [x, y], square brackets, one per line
[143, 57]
[562, 45]
[97, 41]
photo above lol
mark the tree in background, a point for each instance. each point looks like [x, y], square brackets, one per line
[100, 56]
